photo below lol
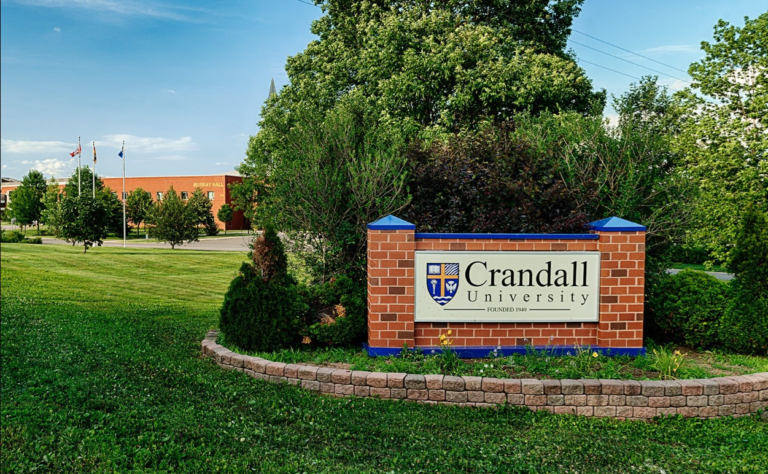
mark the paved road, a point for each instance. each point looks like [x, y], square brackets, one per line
[227, 244]
[719, 275]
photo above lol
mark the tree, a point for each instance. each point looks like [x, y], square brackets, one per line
[338, 174]
[201, 209]
[225, 215]
[173, 220]
[26, 201]
[425, 69]
[724, 138]
[137, 207]
[51, 215]
[84, 219]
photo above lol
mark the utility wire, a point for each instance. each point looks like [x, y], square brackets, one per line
[631, 52]
[628, 61]
[613, 70]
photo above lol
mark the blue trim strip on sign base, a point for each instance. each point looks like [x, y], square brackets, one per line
[425, 236]
[473, 352]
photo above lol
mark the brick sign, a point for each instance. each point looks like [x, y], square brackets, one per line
[553, 291]
[507, 286]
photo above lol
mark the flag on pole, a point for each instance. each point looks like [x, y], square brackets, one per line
[121, 152]
[94, 152]
[76, 152]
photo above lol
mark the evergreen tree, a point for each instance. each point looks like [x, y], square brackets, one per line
[201, 209]
[174, 221]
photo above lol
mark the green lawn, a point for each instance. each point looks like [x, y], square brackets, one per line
[101, 372]
[699, 267]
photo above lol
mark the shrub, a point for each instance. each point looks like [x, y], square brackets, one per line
[745, 326]
[13, 236]
[263, 308]
[688, 307]
[339, 312]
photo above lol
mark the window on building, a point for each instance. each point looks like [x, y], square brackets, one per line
[125, 195]
[210, 195]
[184, 195]
[159, 196]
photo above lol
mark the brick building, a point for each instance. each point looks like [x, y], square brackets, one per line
[216, 187]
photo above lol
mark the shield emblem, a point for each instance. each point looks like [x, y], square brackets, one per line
[442, 281]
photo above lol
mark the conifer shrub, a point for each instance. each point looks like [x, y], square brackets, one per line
[263, 307]
[745, 325]
[688, 308]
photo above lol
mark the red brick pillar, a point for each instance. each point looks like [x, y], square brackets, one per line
[391, 244]
[622, 282]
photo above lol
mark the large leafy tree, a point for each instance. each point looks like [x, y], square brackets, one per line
[112, 205]
[724, 136]
[84, 219]
[26, 201]
[425, 69]
[51, 215]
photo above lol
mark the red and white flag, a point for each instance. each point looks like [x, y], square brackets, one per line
[76, 152]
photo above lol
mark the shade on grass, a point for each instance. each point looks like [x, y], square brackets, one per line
[101, 371]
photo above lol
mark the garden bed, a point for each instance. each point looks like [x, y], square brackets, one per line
[536, 364]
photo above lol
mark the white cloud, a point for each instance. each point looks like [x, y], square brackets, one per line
[674, 84]
[149, 144]
[35, 146]
[57, 29]
[51, 166]
[169, 91]
[222, 163]
[613, 119]
[671, 48]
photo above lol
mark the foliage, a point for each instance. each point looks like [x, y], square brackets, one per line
[15, 237]
[138, 206]
[723, 136]
[111, 204]
[26, 201]
[491, 182]
[173, 222]
[101, 372]
[338, 173]
[746, 319]
[51, 215]
[84, 220]
[448, 359]
[86, 176]
[688, 308]
[668, 363]
[225, 215]
[201, 210]
[339, 312]
[268, 255]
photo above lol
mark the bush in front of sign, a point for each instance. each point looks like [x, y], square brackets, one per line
[338, 312]
[745, 325]
[688, 308]
[263, 307]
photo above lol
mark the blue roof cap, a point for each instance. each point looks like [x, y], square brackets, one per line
[391, 223]
[616, 224]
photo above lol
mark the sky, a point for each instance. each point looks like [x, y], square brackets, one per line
[182, 83]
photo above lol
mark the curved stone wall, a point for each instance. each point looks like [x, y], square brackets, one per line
[621, 399]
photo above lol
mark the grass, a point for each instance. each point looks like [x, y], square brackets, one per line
[101, 372]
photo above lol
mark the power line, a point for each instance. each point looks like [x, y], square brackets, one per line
[631, 52]
[307, 3]
[613, 70]
[628, 61]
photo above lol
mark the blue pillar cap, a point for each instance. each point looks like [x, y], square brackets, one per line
[391, 223]
[615, 224]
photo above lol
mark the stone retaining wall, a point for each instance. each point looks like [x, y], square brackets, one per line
[621, 399]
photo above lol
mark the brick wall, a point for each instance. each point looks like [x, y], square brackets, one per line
[393, 242]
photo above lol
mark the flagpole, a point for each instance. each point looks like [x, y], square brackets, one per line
[124, 196]
[94, 170]
[78, 167]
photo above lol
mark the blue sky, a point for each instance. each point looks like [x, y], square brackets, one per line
[183, 82]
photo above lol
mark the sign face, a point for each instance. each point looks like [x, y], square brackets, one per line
[509, 287]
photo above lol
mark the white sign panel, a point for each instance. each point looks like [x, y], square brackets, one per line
[514, 287]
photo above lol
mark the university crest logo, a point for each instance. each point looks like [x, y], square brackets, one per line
[442, 281]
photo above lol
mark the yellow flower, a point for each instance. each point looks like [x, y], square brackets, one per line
[449, 332]
[677, 353]
[442, 337]
[594, 354]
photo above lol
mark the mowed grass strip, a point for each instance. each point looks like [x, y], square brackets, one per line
[101, 372]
